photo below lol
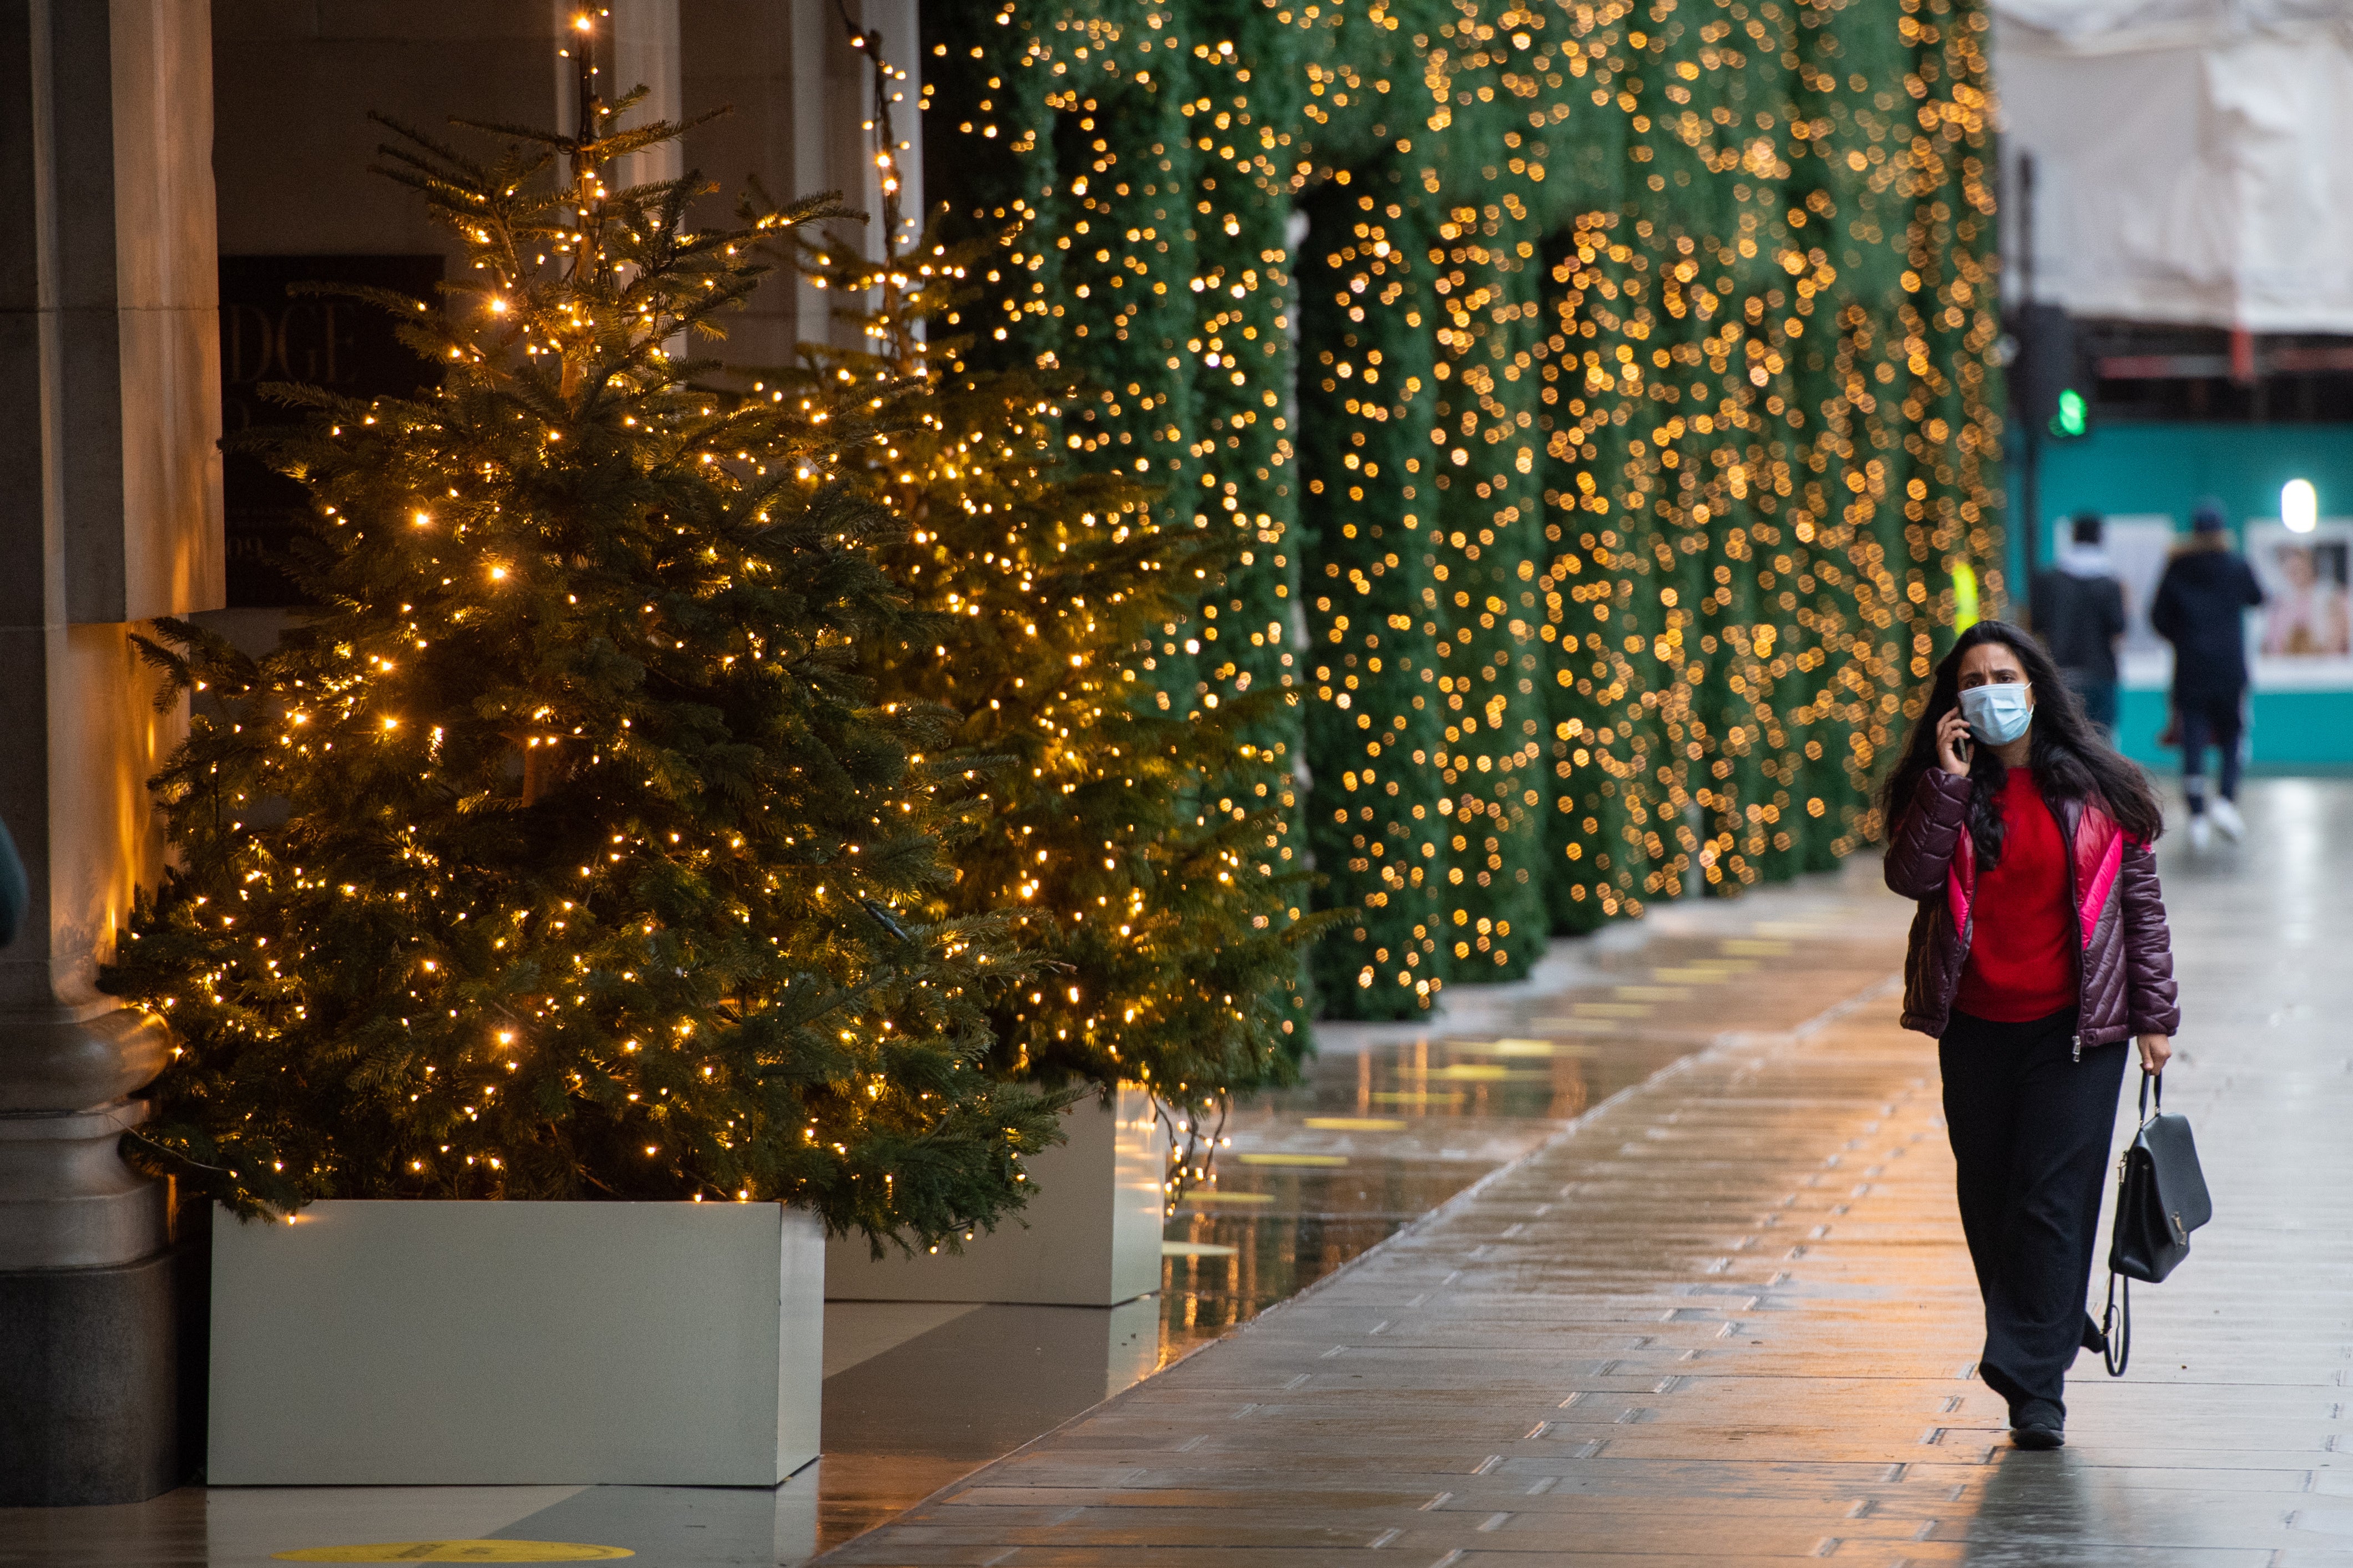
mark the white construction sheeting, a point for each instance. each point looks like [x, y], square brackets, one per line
[2193, 158]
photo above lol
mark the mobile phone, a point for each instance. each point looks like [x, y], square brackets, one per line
[1964, 747]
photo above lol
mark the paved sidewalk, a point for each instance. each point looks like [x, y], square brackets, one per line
[1728, 1319]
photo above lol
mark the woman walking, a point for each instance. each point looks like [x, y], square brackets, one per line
[2040, 948]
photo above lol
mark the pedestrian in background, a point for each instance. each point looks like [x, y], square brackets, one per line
[2078, 608]
[2200, 608]
[2038, 949]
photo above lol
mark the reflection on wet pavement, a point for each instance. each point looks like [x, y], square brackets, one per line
[902, 1423]
[1393, 1120]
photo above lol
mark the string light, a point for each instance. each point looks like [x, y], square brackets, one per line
[1644, 426]
[1143, 849]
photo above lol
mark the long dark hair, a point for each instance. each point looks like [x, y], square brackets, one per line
[2070, 758]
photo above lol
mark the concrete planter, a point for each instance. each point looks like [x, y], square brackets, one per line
[1089, 1238]
[501, 1344]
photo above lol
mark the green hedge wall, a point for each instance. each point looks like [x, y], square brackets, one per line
[1604, 390]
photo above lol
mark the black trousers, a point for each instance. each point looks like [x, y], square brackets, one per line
[2201, 724]
[2031, 1128]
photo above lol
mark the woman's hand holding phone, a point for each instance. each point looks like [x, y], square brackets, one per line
[1953, 744]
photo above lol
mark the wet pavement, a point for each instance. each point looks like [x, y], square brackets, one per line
[1670, 1274]
[1728, 1317]
[1394, 1121]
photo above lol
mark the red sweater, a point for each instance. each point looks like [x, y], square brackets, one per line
[2021, 963]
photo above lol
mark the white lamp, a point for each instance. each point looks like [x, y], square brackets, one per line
[2299, 506]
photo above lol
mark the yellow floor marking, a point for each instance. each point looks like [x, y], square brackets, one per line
[1745, 947]
[458, 1551]
[1654, 993]
[1482, 1072]
[1613, 1009]
[1714, 972]
[1356, 1123]
[1416, 1097]
[1229, 1197]
[1294, 1159]
[1525, 1047]
[1195, 1249]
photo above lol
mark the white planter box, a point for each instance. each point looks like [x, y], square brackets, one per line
[1089, 1238]
[501, 1344]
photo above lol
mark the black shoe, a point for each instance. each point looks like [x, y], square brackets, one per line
[2094, 1340]
[2037, 1424]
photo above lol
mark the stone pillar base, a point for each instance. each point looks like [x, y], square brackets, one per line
[89, 1387]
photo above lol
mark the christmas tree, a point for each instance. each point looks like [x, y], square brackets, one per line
[568, 852]
[1138, 826]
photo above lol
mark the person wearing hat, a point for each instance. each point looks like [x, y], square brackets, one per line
[2078, 609]
[2200, 608]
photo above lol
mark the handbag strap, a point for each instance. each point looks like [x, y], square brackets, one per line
[2116, 1321]
[2117, 1327]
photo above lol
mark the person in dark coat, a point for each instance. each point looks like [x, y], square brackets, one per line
[2078, 609]
[2200, 608]
[2040, 959]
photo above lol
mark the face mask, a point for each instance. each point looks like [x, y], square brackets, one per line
[1997, 714]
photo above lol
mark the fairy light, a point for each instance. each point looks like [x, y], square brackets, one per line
[1143, 839]
[1647, 382]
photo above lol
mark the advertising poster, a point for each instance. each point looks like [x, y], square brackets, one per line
[2302, 638]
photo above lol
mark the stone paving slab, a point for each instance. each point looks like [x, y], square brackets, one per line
[1727, 1317]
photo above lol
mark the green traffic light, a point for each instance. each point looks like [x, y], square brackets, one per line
[2071, 419]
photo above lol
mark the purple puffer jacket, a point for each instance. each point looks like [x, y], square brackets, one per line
[2125, 985]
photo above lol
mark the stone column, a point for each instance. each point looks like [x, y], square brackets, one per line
[803, 101]
[642, 43]
[109, 515]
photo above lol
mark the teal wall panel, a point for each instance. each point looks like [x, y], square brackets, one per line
[2291, 729]
[2170, 467]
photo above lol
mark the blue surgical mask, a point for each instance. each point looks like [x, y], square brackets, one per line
[1997, 714]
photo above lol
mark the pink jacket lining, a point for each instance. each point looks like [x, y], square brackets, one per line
[2099, 852]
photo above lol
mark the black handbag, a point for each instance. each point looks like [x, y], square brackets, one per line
[2160, 1199]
